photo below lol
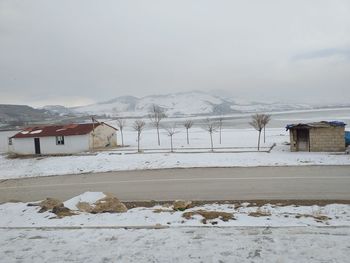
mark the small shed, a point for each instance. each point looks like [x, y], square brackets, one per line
[324, 136]
[63, 139]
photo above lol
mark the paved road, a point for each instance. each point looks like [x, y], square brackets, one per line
[308, 182]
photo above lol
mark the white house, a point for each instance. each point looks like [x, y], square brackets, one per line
[63, 139]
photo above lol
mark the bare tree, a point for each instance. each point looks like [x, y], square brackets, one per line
[138, 126]
[258, 124]
[156, 115]
[266, 120]
[220, 127]
[188, 125]
[220, 110]
[211, 128]
[171, 131]
[121, 124]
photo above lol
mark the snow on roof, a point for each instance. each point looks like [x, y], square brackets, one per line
[321, 124]
[35, 132]
[58, 130]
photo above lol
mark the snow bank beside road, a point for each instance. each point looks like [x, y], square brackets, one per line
[22, 215]
[250, 236]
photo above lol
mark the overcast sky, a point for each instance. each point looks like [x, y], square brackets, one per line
[73, 52]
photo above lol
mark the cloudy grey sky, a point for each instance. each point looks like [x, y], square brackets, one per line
[74, 52]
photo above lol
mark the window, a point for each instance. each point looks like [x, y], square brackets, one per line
[59, 140]
[10, 141]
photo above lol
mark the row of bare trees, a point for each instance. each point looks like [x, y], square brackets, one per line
[139, 125]
[157, 114]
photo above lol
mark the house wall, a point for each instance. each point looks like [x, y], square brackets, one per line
[72, 144]
[4, 139]
[102, 137]
[293, 140]
[327, 139]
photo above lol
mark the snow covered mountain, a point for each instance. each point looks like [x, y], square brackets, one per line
[59, 110]
[182, 104]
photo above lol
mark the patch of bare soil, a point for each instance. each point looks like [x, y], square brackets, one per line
[84, 207]
[181, 205]
[47, 204]
[260, 213]
[160, 210]
[318, 218]
[55, 206]
[109, 204]
[238, 203]
[209, 215]
[62, 211]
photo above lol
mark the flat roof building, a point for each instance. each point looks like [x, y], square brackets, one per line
[324, 136]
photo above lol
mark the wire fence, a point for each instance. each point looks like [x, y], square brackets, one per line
[185, 150]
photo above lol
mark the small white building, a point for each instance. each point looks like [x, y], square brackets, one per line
[63, 139]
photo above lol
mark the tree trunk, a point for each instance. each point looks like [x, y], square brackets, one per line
[158, 135]
[171, 144]
[264, 134]
[188, 141]
[211, 141]
[259, 141]
[121, 133]
[220, 133]
[138, 143]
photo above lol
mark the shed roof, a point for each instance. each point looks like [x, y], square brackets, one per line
[58, 130]
[321, 124]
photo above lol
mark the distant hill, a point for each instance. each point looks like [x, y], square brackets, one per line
[182, 104]
[195, 103]
[21, 114]
[60, 110]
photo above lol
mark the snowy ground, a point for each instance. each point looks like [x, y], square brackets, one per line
[176, 245]
[281, 234]
[120, 159]
[21, 215]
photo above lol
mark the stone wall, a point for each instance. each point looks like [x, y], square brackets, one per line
[293, 140]
[329, 139]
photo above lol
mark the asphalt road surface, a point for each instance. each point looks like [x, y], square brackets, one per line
[284, 183]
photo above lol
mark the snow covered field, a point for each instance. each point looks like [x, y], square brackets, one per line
[119, 159]
[302, 245]
[268, 233]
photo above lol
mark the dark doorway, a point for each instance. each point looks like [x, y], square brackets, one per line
[37, 145]
[303, 140]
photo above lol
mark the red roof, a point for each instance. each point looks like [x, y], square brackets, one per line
[57, 130]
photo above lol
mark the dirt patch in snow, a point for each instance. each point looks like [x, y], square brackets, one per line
[48, 204]
[238, 203]
[209, 215]
[181, 205]
[109, 204]
[260, 212]
[161, 210]
[62, 211]
[318, 218]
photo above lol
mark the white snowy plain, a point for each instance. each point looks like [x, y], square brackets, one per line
[280, 236]
[119, 159]
[178, 245]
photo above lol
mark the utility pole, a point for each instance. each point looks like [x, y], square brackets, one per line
[93, 133]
